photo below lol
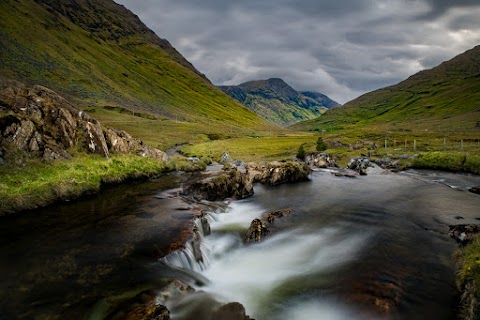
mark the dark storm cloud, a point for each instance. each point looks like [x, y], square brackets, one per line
[340, 48]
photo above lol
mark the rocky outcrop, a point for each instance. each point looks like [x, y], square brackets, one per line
[239, 185]
[275, 173]
[320, 160]
[233, 184]
[39, 123]
[359, 165]
[463, 233]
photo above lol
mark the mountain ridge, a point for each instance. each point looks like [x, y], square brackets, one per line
[443, 98]
[97, 53]
[277, 102]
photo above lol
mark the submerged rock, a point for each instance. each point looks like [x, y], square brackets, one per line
[277, 214]
[231, 311]
[475, 190]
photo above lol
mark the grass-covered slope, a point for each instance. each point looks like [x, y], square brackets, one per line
[277, 102]
[98, 53]
[443, 99]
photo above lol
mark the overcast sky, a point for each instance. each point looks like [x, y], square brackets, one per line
[342, 48]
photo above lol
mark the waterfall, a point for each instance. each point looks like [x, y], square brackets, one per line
[196, 254]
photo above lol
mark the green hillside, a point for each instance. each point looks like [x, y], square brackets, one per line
[277, 102]
[97, 53]
[442, 101]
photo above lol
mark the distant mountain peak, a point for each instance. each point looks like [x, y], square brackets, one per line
[276, 101]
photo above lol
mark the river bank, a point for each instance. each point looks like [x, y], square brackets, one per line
[36, 184]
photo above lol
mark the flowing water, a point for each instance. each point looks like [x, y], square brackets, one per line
[365, 248]
[373, 247]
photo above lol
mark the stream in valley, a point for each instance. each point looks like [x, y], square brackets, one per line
[372, 247]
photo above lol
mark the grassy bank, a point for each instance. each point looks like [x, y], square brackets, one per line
[37, 184]
[468, 279]
[449, 161]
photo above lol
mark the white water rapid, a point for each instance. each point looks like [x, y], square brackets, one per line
[271, 278]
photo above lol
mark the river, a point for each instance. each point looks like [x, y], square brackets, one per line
[373, 247]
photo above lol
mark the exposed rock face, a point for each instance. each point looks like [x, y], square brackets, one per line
[321, 160]
[40, 123]
[275, 173]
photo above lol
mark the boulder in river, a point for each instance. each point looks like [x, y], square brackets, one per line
[256, 232]
[258, 229]
[275, 173]
[233, 184]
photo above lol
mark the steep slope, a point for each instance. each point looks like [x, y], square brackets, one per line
[277, 102]
[97, 53]
[443, 99]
